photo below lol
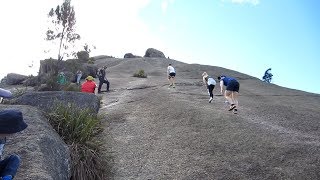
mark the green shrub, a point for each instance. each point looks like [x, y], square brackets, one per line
[79, 129]
[140, 74]
[52, 83]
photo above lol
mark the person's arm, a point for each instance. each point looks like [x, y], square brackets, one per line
[5, 93]
[204, 81]
[221, 87]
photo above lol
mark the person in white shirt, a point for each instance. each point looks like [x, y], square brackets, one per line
[210, 83]
[171, 76]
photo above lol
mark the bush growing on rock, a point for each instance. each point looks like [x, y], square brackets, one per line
[140, 74]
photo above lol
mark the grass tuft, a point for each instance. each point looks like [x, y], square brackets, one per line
[79, 128]
[140, 74]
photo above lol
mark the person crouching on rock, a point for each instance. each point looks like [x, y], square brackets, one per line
[11, 121]
[210, 83]
[89, 86]
[232, 91]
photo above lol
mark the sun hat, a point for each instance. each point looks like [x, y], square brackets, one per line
[89, 78]
[11, 121]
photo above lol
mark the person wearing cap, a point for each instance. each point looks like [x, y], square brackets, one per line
[210, 83]
[231, 92]
[102, 78]
[11, 121]
[89, 86]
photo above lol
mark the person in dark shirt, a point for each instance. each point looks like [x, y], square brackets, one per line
[232, 91]
[103, 79]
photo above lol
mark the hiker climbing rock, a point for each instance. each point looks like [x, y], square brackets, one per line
[232, 91]
[171, 72]
[210, 83]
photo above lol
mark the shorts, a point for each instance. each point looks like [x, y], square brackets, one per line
[172, 75]
[233, 86]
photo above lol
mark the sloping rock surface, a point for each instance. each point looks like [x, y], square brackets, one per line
[153, 132]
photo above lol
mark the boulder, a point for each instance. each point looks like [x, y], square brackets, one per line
[44, 155]
[15, 79]
[151, 52]
[130, 55]
[69, 67]
[45, 100]
[31, 81]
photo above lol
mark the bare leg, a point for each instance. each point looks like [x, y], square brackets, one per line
[169, 79]
[228, 95]
[173, 82]
[235, 97]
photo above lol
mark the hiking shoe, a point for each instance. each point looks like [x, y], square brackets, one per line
[210, 99]
[173, 86]
[235, 111]
[233, 106]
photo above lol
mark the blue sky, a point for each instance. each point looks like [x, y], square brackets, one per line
[248, 36]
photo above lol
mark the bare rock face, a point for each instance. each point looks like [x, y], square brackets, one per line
[45, 100]
[15, 79]
[69, 67]
[44, 155]
[151, 52]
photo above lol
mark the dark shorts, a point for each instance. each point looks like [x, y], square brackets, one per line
[233, 86]
[172, 75]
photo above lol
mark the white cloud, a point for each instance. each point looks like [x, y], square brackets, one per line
[253, 2]
[113, 26]
[165, 4]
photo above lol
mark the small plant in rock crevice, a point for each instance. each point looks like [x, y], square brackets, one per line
[140, 74]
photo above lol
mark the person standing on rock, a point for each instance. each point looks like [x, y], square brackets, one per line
[102, 78]
[171, 72]
[78, 76]
[231, 92]
[11, 122]
[210, 83]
